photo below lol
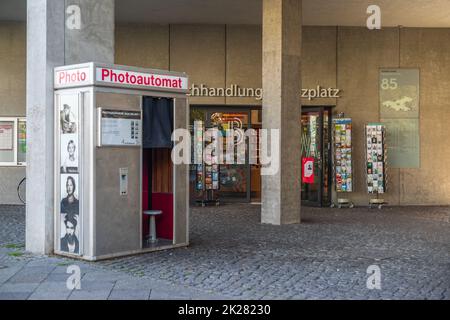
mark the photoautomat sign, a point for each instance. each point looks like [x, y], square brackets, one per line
[117, 76]
[132, 78]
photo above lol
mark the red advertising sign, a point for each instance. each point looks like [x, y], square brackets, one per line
[142, 79]
[117, 76]
[308, 170]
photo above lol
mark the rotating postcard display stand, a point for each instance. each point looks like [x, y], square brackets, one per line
[343, 162]
[207, 175]
[376, 162]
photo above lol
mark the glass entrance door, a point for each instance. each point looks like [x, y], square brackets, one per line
[316, 150]
[234, 179]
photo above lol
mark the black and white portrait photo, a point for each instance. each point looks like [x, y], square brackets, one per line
[69, 195]
[69, 242]
[69, 153]
[68, 120]
[68, 113]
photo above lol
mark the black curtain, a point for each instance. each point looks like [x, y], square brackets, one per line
[157, 122]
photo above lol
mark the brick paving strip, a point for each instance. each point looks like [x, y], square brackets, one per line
[232, 255]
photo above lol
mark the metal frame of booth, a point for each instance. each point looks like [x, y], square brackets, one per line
[97, 173]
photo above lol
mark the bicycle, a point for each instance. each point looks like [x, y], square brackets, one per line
[21, 190]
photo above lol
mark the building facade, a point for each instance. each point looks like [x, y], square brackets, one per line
[345, 58]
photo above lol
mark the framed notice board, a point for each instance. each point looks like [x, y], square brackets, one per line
[399, 92]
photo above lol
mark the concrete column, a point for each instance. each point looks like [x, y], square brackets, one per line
[45, 50]
[94, 41]
[282, 108]
[50, 44]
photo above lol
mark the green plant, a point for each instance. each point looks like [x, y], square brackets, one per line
[15, 254]
[14, 246]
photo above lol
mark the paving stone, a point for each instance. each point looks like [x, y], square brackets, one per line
[90, 295]
[53, 286]
[168, 294]
[40, 294]
[102, 275]
[18, 287]
[14, 295]
[23, 276]
[135, 294]
[57, 277]
[7, 273]
[97, 285]
[137, 284]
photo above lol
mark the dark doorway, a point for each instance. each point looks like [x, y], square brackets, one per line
[316, 144]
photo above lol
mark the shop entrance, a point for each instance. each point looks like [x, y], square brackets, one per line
[236, 182]
[316, 149]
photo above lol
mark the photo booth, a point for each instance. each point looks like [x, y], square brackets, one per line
[117, 191]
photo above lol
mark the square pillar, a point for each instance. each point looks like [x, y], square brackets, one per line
[50, 43]
[282, 25]
[94, 41]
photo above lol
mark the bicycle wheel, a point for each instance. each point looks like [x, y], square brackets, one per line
[22, 191]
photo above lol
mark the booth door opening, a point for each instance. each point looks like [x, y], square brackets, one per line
[157, 172]
[316, 156]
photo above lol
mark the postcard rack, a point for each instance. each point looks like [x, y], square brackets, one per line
[343, 161]
[376, 169]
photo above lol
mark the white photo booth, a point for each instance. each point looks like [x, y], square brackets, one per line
[117, 191]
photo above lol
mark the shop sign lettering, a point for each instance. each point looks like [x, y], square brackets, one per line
[235, 91]
[320, 92]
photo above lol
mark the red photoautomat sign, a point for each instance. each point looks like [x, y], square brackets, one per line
[140, 79]
[308, 170]
[90, 74]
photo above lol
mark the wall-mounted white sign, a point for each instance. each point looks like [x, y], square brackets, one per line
[120, 128]
[6, 135]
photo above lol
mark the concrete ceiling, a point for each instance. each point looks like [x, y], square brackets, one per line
[408, 13]
[13, 10]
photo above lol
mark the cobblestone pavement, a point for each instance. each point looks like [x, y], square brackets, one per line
[12, 225]
[326, 257]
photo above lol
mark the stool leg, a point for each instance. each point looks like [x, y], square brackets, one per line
[149, 237]
[152, 229]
